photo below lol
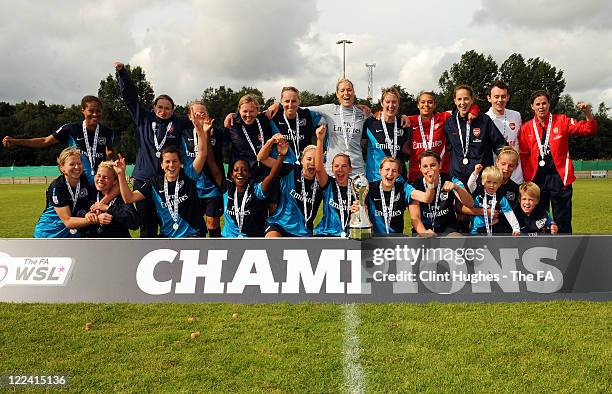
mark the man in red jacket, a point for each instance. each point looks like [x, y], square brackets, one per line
[545, 159]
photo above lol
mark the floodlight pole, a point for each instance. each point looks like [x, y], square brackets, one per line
[370, 67]
[344, 42]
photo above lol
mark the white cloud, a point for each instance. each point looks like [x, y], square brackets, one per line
[60, 51]
[554, 14]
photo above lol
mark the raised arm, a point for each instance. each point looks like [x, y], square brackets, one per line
[39, 142]
[203, 129]
[129, 94]
[320, 172]
[282, 146]
[583, 127]
[264, 153]
[127, 195]
[427, 196]
[472, 184]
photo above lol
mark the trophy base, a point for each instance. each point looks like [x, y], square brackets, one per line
[359, 233]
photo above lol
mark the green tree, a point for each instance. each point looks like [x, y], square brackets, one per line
[219, 101]
[524, 78]
[473, 69]
[31, 120]
[115, 113]
[567, 106]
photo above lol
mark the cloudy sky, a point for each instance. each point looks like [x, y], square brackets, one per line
[58, 51]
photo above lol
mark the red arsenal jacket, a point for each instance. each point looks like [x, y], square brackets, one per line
[561, 129]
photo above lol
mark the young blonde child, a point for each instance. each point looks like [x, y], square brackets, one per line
[532, 218]
[489, 201]
[507, 162]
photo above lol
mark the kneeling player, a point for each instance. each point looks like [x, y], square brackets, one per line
[387, 198]
[438, 217]
[244, 197]
[68, 200]
[533, 219]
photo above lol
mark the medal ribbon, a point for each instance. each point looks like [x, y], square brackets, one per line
[239, 212]
[172, 208]
[542, 148]
[244, 131]
[160, 145]
[74, 196]
[304, 193]
[392, 145]
[465, 147]
[295, 135]
[427, 144]
[91, 151]
[488, 221]
[387, 211]
[341, 203]
[435, 207]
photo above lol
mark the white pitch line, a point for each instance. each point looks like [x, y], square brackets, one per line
[353, 372]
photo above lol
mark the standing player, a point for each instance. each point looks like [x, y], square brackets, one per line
[300, 194]
[69, 197]
[94, 140]
[438, 217]
[156, 129]
[173, 193]
[248, 131]
[507, 121]
[208, 192]
[428, 133]
[385, 137]
[345, 125]
[471, 143]
[545, 155]
[296, 124]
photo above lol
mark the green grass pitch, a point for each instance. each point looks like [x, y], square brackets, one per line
[520, 347]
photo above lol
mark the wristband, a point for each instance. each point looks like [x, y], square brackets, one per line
[429, 186]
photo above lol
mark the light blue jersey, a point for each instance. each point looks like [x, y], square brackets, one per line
[50, 225]
[288, 214]
[477, 224]
[205, 185]
[378, 147]
[331, 224]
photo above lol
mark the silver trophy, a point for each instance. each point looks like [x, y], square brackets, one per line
[360, 225]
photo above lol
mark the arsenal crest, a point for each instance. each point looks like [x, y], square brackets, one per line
[510, 196]
[512, 126]
[476, 132]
